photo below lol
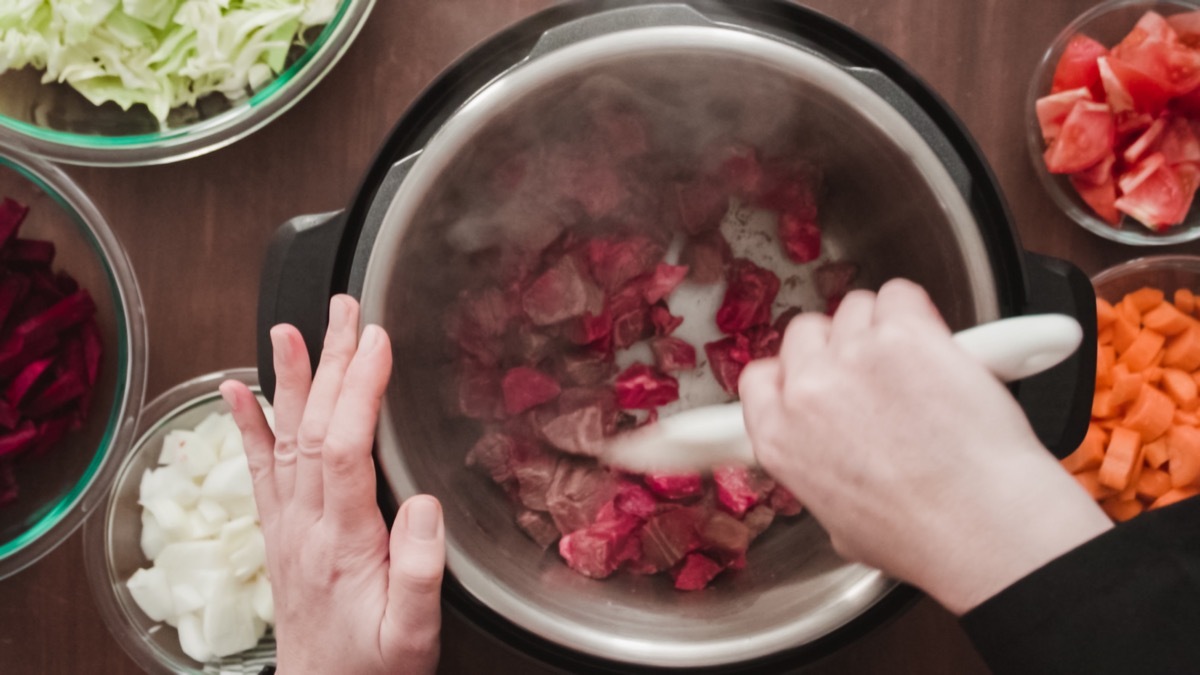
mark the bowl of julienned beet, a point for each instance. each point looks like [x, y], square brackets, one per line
[1112, 129]
[72, 358]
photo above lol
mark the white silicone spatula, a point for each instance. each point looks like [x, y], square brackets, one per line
[701, 438]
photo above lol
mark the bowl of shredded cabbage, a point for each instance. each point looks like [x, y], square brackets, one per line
[138, 82]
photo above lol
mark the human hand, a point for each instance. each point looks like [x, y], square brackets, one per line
[347, 600]
[914, 458]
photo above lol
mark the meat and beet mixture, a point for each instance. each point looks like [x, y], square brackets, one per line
[572, 334]
[49, 348]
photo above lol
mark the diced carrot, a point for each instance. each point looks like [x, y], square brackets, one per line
[1185, 301]
[1102, 405]
[1145, 299]
[1167, 320]
[1180, 386]
[1130, 491]
[1141, 353]
[1106, 357]
[1126, 385]
[1153, 374]
[1090, 481]
[1183, 456]
[1123, 447]
[1156, 453]
[1105, 314]
[1128, 311]
[1176, 495]
[1153, 483]
[1108, 423]
[1090, 453]
[1183, 351]
[1151, 413]
[1196, 377]
[1121, 510]
[1186, 417]
[1124, 333]
[1105, 337]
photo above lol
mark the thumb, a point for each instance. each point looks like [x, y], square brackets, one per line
[418, 555]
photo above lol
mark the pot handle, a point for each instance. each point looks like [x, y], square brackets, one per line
[295, 285]
[1058, 402]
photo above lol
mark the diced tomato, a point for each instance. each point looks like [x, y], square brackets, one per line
[1086, 137]
[1077, 65]
[1052, 110]
[1102, 198]
[1157, 202]
[1130, 122]
[1146, 141]
[1189, 178]
[1149, 93]
[1187, 27]
[1151, 28]
[1116, 94]
[1101, 173]
[1136, 175]
[1179, 143]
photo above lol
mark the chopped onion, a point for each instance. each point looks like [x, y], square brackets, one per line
[201, 532]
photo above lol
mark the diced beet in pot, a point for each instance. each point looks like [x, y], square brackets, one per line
[735, 489]
[668, 536]
[641, 387]
[578, 432]
[675, 486]
[539, 527]
[727, 358]
[560, 293]
[672, 355]
[577, 494]
[748, 298]
[726, 537]
[19, 440]
[479, 394]
[696, 573]
[662, 321]
[701, 204]
[616, 261]
[665, 279]
[598, 550]
[493, 453]
[801, 238]
[525, 388]
[758, 519]
[634, 500]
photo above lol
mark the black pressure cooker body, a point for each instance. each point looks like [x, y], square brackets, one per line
[314, 257]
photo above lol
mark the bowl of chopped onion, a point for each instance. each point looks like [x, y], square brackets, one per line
[72, 358]
[174, 555]
[136, 83]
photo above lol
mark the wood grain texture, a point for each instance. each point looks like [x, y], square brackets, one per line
[196, 233]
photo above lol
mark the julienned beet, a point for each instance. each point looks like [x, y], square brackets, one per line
[49, 349]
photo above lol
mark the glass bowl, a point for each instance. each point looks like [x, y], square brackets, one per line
[1107, 22]
[58, 123]
[59, 487]
[112, 536]
[1166, 272]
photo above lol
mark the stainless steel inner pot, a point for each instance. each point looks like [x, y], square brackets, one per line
[890, 205]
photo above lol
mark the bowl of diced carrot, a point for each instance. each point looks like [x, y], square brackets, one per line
[1142, 449]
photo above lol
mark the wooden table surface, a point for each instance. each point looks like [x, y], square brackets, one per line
[196, 233]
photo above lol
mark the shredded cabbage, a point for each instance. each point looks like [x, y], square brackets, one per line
[159, 53]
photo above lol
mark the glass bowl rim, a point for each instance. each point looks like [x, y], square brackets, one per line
[1056, 186]
[68, 516]
[193, 140]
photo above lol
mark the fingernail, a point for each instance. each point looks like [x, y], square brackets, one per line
[421, 519]
[370, 338]
[279, 341]
[230, 397]
[339, 311]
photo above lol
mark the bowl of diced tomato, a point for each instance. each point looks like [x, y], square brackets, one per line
[1114, 121]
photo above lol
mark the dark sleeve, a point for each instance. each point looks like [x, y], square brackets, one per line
[1125, 602]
